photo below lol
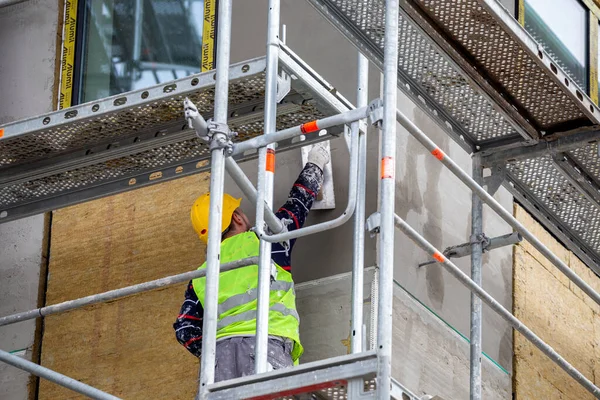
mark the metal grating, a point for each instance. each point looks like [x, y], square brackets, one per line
[449, 88]
[441, 86]
[477, 72]
[587, 158]
[506, 60]
[108, 147]
[336, 392]
[66, 136]
[154, 159]
[544, 182]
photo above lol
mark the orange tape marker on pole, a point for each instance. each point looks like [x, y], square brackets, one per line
[1, 132]
[270, 160]
[387, 167]
[438, 153]
[439, 256]
[309, 127]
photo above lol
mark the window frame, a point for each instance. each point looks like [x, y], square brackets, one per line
[71, 65]
[593, 11]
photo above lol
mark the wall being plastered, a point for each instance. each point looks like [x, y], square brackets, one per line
[557, 311]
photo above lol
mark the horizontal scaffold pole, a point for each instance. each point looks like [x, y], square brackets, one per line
[118, 293]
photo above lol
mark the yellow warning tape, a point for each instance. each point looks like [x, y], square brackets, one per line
[594, 58]
[521, 12]
[68, 55]
[208, 35]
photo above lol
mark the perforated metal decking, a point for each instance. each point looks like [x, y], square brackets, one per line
[485, 80]
[141, 137]
[345, 377]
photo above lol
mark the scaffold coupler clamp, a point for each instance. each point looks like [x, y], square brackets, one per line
[373, 224]
[217, 134]
[481, 238]
[220, 137]
[267, 231]
[375, 113]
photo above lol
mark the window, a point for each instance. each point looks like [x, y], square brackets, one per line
[561, 26]
[131, 44]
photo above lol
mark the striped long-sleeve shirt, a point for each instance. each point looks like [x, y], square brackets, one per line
[188, 326]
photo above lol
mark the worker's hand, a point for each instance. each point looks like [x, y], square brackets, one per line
[318, 155]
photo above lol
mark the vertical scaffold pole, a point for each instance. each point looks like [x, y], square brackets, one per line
[266, 169]
[217, 168]
[358, 261]
[476, 276]
[387, 190]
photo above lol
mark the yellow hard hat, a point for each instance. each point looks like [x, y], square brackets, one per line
[199, 214]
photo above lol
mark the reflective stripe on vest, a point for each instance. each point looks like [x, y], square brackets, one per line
[251, 314]
[250, 295]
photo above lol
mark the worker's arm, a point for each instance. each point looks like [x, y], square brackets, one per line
[300, 200]
[188, 326]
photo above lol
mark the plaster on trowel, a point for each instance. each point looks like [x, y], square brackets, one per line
[326, 197]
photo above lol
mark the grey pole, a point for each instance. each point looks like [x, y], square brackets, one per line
[494, 205]
[118, 293]
[326, 225]
[476, 276]
[497, 307]
[309, 127]
[55, 377]
[266, 164]
[236, 173]
[358, 260]
[387, 188]
[137, 32]
[217, 168]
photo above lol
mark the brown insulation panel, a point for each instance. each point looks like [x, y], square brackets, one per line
[557, 311]
[126, 347]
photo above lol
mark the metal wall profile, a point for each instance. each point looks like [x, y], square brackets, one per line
[421, 46]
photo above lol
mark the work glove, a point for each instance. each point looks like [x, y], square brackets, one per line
[318, 155]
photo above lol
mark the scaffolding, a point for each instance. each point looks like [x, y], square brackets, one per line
[531, 143]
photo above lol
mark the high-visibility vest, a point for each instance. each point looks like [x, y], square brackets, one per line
[238, 291]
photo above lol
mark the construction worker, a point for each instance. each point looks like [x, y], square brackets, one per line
[236, 320]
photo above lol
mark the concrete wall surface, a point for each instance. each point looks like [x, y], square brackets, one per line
[21, 250]
[558, 312]
[438, 205]
[431, 358]
[28, 33]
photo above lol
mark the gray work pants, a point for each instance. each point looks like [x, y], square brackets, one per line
[235, 356]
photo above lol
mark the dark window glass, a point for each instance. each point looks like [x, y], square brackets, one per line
[132, 44]
[561, 26]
